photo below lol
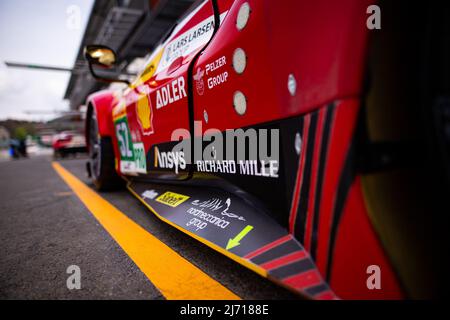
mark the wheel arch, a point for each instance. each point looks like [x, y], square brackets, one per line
[101, 103]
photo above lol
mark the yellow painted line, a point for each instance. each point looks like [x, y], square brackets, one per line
[173, 275]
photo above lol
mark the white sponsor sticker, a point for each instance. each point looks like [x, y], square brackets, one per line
[149, 194]
[138, 164]
[189, 41]
[139, 158]
[127, 166]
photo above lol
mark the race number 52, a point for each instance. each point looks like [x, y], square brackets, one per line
[123, 138]
[132, 154]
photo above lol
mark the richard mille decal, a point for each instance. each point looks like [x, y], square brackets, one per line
[268, 169]
[242, 152]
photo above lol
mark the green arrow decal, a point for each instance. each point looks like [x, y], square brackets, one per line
[235, 241]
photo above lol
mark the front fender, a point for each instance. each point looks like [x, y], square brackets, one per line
[101, 103]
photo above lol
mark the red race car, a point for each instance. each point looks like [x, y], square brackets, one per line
[303, 139]
[68, 142]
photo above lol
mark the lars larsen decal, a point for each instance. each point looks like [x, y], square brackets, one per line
[132, 154]
[172, 199]
[188, 42]
[261, 168]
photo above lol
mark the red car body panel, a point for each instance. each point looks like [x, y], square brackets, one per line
[327, 61]
[102, 103]
[361, 243]
[323, 44]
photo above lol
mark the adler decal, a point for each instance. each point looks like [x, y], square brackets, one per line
[171, 92]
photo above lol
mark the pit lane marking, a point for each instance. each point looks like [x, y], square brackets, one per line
[174, 276]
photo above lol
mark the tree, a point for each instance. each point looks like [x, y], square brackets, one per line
[20, 133]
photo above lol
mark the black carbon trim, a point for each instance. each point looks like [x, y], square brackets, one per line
[322, 161]
[279, 251]
[293, 268]
[317, 289]
[299, 223]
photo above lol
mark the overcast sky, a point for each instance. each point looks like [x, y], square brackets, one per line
[41, 32]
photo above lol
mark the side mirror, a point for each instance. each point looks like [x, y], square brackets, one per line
[101, 56]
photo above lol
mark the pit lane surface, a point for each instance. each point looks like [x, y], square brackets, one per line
[45, 228]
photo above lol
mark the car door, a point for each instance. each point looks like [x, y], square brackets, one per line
[156, 105]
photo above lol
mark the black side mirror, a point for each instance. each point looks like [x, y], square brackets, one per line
[101, 56]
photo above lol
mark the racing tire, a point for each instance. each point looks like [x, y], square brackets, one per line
[102, 160]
